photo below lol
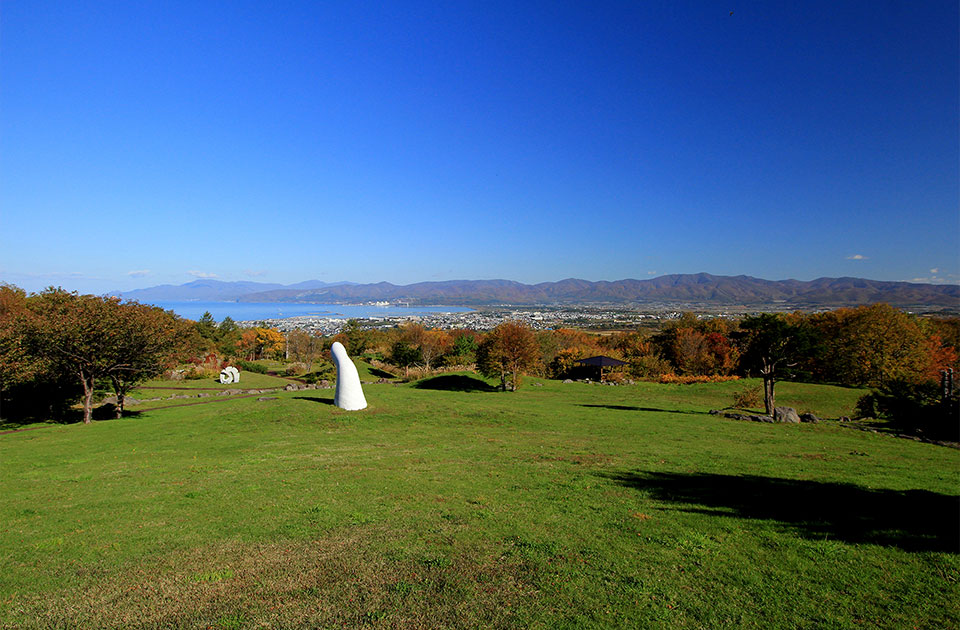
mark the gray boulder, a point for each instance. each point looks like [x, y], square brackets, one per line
[808, 417]
[786, 414]
[567, 380]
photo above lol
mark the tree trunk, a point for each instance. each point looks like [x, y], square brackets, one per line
[120, 391]
[513, 385]
[87, 398]
[768, 395]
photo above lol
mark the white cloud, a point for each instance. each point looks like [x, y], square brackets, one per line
[944, 278]
[857, 257]
[139, 273]
[651, 273]
[935, 270]
[202, 274]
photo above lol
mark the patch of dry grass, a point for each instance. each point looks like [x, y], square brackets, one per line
[344, 580]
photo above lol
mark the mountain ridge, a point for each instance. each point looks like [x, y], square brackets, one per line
[210, 290]
[698, 287]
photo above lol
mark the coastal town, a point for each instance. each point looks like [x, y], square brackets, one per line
[590, 317]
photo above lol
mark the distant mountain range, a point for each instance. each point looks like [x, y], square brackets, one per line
[217, 290]
[698, 288]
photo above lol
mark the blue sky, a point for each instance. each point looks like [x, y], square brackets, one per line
[156, 142]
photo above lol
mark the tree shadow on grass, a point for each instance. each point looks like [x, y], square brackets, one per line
[380, 373]
[109, 412]
[632, 408]
[455, 383]
[913, 520]
[325, 401]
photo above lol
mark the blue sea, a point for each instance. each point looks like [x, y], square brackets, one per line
[248, 311]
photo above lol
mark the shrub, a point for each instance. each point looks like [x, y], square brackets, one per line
[296, 369]
[615, 377]
[324, 371]
[913, 408]
[649, 366]
[749, 398]
[867, 407]
[197, 373]
[694, 379]
[250, 366]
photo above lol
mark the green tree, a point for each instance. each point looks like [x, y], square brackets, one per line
[354, 337]
[207, 326]
[773, 345]
[464, 348]
[402, 354]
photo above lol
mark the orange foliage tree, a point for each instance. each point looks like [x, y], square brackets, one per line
[256, 343]
[871, 345]
[509, 349]
[433, 345]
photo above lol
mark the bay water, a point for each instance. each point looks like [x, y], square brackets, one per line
[253, 311]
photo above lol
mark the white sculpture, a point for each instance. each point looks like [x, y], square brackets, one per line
[349, 394]
[229, 375]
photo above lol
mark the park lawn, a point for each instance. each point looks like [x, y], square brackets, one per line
[446, 504]
[248, 380]
[368, 372]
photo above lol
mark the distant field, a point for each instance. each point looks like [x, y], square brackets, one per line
[446, 504]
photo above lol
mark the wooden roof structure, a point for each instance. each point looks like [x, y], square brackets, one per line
[601, 362]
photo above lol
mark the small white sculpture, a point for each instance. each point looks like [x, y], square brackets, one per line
[349, 394]
[229, 375]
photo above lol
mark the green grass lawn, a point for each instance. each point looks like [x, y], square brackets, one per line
[447, 505]
[248, 380]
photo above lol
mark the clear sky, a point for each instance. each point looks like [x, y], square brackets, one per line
[155, 142]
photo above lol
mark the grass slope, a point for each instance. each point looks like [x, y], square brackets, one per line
[561, 506]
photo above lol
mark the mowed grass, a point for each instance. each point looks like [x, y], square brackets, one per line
[560, 506]
[248, 380]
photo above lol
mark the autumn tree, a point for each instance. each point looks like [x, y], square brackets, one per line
[871, 345]
[433, 345]
[256, 343]
[304, 347]
[560, 349]
[639, 352]
[17, 365]
[94, 338]
[690, 352]
[509, 349]
[77, 333]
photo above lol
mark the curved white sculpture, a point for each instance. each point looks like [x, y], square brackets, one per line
[229, 375]
[349, 394]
